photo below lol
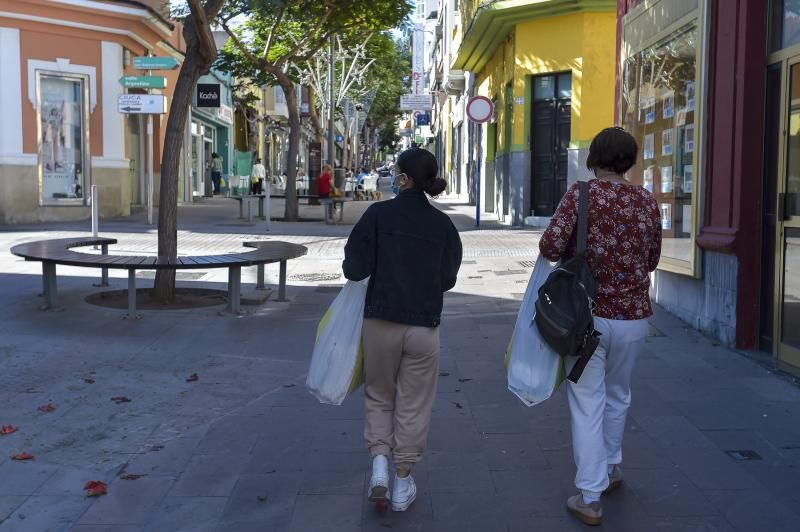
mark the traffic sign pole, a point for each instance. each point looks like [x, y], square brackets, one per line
[149, 165]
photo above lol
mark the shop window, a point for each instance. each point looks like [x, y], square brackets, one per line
[660, 106]
[784, 24]
[63, 139]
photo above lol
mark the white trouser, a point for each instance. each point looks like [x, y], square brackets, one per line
[599, 402]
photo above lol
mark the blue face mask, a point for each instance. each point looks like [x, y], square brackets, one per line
[395, 187]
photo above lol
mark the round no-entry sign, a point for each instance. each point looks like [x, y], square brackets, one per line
[480, 109]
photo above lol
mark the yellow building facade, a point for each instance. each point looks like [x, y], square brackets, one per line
[549, 68]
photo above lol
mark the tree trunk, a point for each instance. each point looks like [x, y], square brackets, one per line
[291, 209]
[193, 67]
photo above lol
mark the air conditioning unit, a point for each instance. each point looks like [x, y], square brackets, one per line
[454, 82]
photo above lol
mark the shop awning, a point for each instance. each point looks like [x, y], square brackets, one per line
[494, 21]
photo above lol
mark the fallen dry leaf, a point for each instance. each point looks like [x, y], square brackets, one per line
[262, 498]
[131, 476]
[88, 381]
[95, 488]
[194, 377]
[22, 456]
[8, 429]
[49, 407]
[120, 399]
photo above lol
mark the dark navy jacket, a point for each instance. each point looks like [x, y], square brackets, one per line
[411, 251]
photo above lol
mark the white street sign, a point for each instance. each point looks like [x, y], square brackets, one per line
[480, 109]
[416, 102]
[142, 104]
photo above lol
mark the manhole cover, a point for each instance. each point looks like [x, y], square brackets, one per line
[526, 263]
[743, 455]
[316, 277]
[180, 276]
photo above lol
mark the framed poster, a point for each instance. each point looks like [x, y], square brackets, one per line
[687, 178]
[666, 216]
[666, 179]
[62, 123]
[649, 148]
[690, 96]
[668, 100]
[666, 142]
[648, 179]
[689, 141]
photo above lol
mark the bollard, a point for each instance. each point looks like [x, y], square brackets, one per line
[95, 207]
[267, 193]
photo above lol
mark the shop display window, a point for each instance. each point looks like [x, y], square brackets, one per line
[659, 107]
[784, 24]
[62, 116]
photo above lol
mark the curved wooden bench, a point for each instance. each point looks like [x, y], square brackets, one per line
[59, 251]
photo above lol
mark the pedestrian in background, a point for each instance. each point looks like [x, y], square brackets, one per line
[216, 172]
[624, 246]
[411, 253]
[257, 176]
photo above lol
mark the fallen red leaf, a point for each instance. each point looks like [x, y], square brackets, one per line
[8, 429]
[23, 456]
[95, 488]
[130, 476]
[194, 377]
[120, 399]
[49, 407]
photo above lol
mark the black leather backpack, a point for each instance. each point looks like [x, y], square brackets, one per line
[566, 300]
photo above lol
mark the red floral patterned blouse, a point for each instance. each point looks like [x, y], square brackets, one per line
[624, 244]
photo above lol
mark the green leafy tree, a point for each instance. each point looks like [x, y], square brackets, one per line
[275, 34]
[201, 52]
[388, 77]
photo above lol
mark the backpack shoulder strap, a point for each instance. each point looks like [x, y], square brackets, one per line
[583, 217]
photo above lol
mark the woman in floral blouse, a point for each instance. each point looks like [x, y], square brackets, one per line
[624, 246]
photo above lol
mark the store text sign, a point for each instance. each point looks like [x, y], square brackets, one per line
[208, 95]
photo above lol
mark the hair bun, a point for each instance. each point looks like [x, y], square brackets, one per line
[435, 186]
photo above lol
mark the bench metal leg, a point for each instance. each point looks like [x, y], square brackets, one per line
[234, 289]
[282, 282]
[132, 315]
[103, 271]
[241, 209]
[341, 211]
[249, 211]
[261, 207]
[260, 277]
[49, 285]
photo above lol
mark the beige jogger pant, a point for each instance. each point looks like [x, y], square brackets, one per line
[401, 366]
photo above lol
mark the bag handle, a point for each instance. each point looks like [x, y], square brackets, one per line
[583, 217]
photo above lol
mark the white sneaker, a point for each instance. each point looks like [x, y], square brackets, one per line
[379, 483]
[405, 493]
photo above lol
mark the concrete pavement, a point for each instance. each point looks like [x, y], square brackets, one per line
[713, 439]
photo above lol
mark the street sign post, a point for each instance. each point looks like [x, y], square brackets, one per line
[142, 104]
[155, 63]
[143, 82]
[480, 109]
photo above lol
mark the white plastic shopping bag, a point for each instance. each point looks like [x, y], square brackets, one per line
[336, 364]
[534, 369]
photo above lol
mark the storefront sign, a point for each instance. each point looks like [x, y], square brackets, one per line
[208, 95]
[142, 104]
[418, 61]
[225, 113]
[416, 102]
[480, 109]
[143, 82]
[155, 63]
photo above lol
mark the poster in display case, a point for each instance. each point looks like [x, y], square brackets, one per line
[668, 104]
[666, 142]
[666, 179]
[649, 149]
[648, 179]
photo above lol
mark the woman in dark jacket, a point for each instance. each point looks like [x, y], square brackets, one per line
[411, 252]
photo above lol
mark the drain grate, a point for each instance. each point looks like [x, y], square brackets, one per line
[743, 455]
[316, 277]
[510, 272]
[527, 263]
[180, 276]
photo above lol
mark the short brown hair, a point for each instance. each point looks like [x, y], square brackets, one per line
[612, 149]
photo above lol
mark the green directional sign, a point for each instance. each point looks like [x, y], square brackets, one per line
[143, 82]
[155, 63]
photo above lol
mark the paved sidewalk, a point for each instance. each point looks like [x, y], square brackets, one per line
[713, 439]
